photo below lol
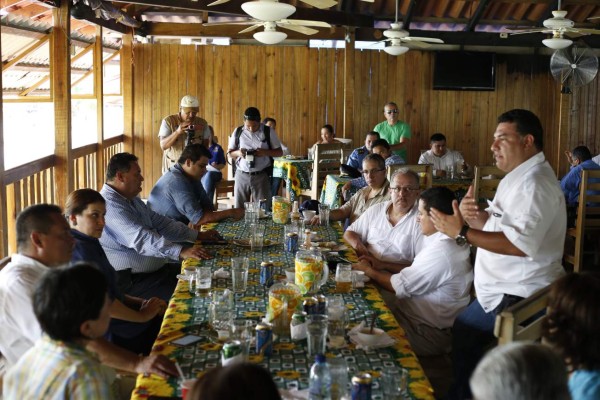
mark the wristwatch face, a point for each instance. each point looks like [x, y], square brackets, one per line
[461, 240]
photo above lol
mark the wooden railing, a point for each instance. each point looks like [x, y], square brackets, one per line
[33, 183]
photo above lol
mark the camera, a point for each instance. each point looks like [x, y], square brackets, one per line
[190, 131]
[250, 157]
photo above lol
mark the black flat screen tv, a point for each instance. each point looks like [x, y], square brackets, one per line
[454, 70]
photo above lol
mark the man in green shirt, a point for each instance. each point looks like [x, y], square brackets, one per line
[396, 132]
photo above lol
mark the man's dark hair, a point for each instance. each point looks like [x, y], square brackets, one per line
[36, 218]
[67, 297]
[527, 124]
[252, 114]
[120, 162]
[269, 119]
[329, 128]
[377, 158]
[437, 137]
[193, 152]
[582, 153]
[380, 142]
[372, 133]
[439, 198]
[78, 200]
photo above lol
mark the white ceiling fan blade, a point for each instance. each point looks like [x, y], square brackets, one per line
[216, 3]
[423, 39]
[251, 28]
[585, 31]
[373, 1]
[322, 4]
[532, 30]
[415, 43]
[300, 29]
[303, 22]
[249, 22]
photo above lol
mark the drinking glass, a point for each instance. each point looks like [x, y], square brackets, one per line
[358, 279]
[221, 311]
[317, 333]
[239, 273]
[343, 278]
[450, 172]
[250, 212]
[336, 321]
[338, 368]
[203, 280]
[394, 383]
[257, 237]
[242, 330]
[323, 214]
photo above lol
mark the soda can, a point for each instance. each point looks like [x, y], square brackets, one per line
[291, 242]
[361, 386]
[231, 349]
[266, 273]
[264, 339]
[321, 304]
[310, 305]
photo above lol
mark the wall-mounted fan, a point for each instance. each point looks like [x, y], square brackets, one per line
[559, 26]
[573, 67]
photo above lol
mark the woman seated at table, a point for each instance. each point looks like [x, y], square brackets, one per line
[327, 135]
[572, 328]
[135, 321]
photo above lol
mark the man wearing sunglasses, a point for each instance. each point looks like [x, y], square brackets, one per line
[396, 132]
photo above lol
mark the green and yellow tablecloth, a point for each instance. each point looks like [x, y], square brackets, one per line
[289, 363]
[297, 174]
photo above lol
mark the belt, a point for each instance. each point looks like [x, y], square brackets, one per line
[254, 173]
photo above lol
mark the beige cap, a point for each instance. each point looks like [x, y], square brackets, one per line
[190, 102]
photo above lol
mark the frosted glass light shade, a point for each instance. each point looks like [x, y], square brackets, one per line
[268, 10]
[270, 37]
[557, 43]
[395, 50]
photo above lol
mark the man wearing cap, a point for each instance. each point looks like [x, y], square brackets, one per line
[179, 130]
[250, 147]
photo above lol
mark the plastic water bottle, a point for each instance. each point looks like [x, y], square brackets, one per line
[320, 380]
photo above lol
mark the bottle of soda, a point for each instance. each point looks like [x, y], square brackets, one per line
[319, 380]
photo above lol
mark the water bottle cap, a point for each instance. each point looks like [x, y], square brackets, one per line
[320, 358]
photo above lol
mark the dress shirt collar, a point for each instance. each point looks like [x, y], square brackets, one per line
[513, 175]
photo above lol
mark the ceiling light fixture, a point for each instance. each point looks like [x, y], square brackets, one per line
[557, 43]
[268, 10]
[270, 37]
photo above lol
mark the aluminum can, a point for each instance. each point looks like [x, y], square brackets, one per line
[310, 305]
[321, 304]
[264, 339]
[361, 386]
[266, 273]
[231, 349]
[291, 242]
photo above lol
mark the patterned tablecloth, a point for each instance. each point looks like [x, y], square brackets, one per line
[289, 363]
[332, 190]
[297, 174]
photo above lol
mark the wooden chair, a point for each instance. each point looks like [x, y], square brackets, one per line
[522, 320]
[326, 161]
[588, 219]
[427, 169]
[222, 188]
[486, 181]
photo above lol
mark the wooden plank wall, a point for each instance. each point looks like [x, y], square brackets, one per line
[303, 89]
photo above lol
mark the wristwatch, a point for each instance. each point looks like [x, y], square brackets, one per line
[461, 239]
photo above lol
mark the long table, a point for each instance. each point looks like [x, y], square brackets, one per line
[289, 363]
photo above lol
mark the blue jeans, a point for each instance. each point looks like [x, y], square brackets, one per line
[209, 181]
[275, 182]
[472, 337]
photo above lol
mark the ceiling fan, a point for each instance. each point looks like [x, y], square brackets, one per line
[271, 35]
[397, 36]
[559, 26]
[322, 4]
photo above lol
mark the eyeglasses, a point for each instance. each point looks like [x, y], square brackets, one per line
[389, 112]
[404, 189]
[372, 171]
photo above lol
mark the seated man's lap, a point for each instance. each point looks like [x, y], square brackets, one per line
[160, 283]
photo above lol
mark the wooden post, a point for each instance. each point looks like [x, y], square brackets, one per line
[127, 91]
[3, 208]
[349, 84]
[99, 93]
[563, 134]
[60, 61]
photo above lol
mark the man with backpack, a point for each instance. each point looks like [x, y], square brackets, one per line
[251, 147]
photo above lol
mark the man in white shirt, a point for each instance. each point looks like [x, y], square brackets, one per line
[520, 238]
[44, 241]
[252, 150]
[442, 158]
[435, 288]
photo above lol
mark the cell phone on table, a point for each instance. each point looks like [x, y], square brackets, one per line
[186, 340]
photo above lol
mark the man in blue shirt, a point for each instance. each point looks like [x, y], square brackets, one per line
[581, 158]
[358, 155]
[179, 194]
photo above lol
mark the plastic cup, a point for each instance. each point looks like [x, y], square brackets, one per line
[203, 280]
[257, 237]
[316, 327]
[186, 386]
[239, 273]
[394, 382]
[336, 321]
[343, 278]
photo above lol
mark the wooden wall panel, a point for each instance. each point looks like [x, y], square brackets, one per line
[302, 89]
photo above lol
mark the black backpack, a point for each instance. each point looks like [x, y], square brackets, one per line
[238, 133]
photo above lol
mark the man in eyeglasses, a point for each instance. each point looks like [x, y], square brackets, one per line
[376, 191]
[179, 130]
[396, 132]
[251, 151]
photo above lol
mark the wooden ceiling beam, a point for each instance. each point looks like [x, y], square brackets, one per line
[26, 52]
[410, 13]
[483, 5]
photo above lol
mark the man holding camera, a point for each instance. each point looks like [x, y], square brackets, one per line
[251, 147]
[179, 130]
